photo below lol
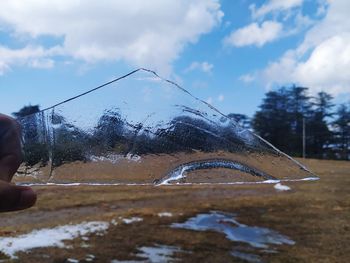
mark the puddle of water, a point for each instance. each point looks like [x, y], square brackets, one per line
[158, 253]
[155, 254]
[225, 223]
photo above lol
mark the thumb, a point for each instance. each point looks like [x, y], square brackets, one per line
[13, 197]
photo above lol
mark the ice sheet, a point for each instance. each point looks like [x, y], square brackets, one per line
[142, 129]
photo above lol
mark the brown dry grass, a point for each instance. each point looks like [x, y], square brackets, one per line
[153, 167]
[316, 215]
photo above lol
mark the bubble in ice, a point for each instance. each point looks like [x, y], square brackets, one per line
[143, 129]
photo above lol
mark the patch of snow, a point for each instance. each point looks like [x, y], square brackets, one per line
[114, 158]
[133, 157]
[84, 245]
[90, 257]
[281, 187]
[165, 214]
[72, 260]
[132, 220]
[49, 237]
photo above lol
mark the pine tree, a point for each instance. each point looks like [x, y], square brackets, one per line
[320, 136]
[342, 131]
[272, 121]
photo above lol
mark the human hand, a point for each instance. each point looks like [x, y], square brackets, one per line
[12, 197]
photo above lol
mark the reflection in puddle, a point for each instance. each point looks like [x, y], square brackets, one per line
[156, 254]
[159, 253]
[257, 237]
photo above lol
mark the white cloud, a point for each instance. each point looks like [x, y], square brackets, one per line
[36, 57]
[271, 21]
[203, 66]
[45, 63]
[142, 33]
[247, 78]
[322, 60]
[221, 98]
[255, 34]
[301, 22]
[273, 6]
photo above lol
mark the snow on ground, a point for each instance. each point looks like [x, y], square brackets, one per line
[72, 260]
[114, 158]
[281, 187]
[132, 220]
[49, 237]
[165, 214]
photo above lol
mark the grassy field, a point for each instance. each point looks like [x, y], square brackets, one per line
[315, 214]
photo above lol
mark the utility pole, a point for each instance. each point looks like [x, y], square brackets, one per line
[304, 142]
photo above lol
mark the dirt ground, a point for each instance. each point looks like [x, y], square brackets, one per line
[315, 214]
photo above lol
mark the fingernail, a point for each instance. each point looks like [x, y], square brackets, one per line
[28, 198]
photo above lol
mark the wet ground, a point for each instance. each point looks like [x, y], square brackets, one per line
[310, 222]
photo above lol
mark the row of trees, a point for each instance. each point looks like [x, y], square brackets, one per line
[299, 124]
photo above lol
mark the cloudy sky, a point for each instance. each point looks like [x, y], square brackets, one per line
[228, 53]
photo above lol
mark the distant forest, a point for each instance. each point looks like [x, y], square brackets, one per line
[289, 118]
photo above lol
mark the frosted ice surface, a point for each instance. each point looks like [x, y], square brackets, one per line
[144, 129]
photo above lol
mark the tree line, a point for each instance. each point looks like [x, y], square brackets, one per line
[304, 125]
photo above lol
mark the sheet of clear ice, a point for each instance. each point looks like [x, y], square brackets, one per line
[145, 129]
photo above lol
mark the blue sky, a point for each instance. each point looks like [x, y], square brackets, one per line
[227, 52]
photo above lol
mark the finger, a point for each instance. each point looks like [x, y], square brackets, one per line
[10, 147]
[14, 197]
